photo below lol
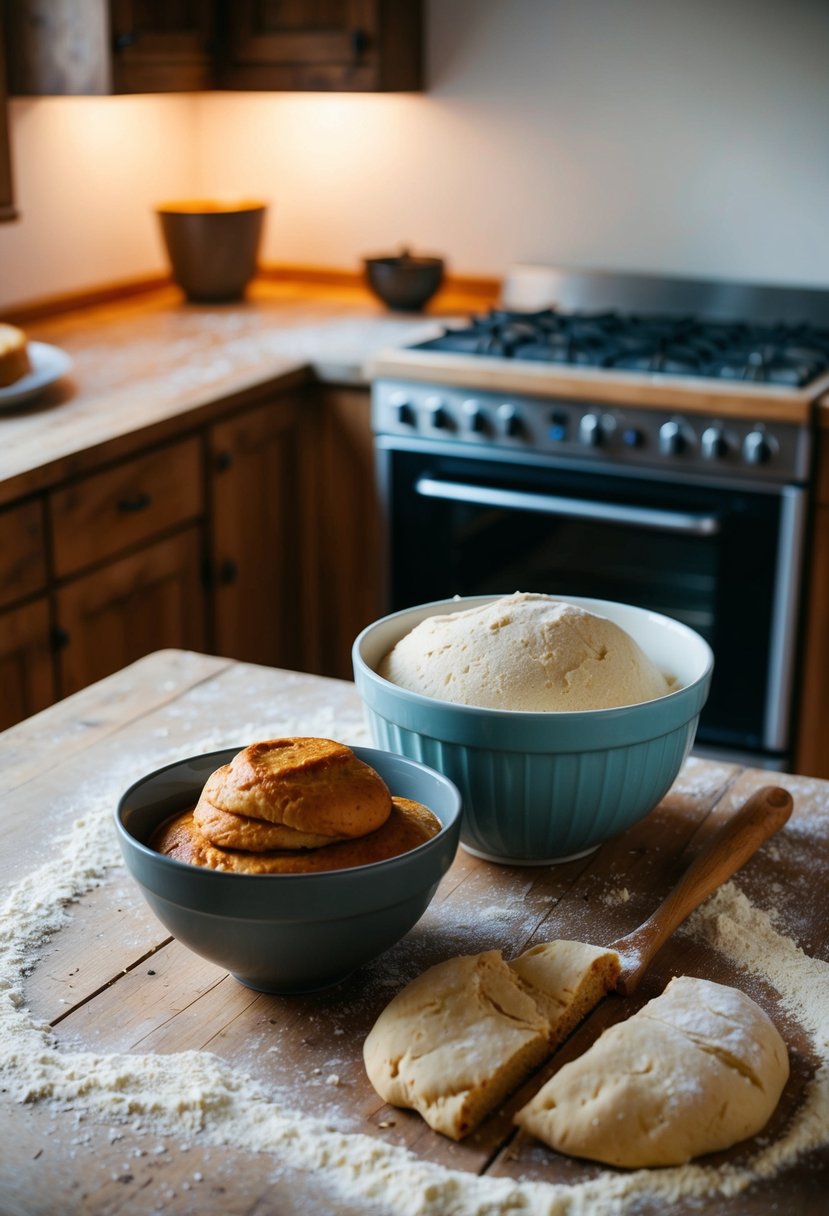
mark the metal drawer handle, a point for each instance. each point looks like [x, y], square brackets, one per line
[139, 502]
[686, 523]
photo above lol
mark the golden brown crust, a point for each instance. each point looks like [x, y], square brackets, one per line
[315, 786]
[254, 835]
[408, 825]
[14, 355]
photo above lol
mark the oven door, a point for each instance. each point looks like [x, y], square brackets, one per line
[723, 558]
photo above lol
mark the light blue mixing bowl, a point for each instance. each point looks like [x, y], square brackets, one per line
[539, 788]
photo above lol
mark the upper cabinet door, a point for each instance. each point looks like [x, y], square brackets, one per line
[162, 46]
[325, 45]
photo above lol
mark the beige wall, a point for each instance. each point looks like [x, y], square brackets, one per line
[651, 135]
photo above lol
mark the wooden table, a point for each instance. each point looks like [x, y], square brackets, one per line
[111, 980]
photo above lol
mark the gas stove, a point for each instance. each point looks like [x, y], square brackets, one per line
[778, 354]
[686, 376]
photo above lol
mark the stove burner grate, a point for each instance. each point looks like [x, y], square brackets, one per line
[788, 355]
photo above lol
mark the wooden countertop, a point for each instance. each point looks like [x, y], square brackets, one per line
[152, 359]
[96, 1013]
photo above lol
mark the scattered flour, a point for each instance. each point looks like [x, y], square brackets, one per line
[195, 1094]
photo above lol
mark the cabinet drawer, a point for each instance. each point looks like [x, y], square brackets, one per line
[22, 551]
[105, 514]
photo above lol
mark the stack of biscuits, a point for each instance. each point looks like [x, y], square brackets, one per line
[292, 806]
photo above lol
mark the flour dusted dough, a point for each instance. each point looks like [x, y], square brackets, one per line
[696, 1070]
[466, 1032]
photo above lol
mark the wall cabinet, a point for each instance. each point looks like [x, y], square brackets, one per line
[153, 46]
[343, 45]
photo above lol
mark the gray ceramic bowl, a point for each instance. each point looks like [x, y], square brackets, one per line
[286, 932]
[544, 787]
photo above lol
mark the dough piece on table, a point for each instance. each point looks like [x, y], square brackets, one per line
[315, 786]
[455, 1041]
[696, 1070]
[566, 980]
[464, 1034]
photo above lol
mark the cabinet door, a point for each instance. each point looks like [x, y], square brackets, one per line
[162, 46]
[350, 528]
[26, 671]
[262, 516]
[151, 600]
[350, 45]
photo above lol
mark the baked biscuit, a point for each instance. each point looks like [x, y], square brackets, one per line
[314, 786]
[14, 355]
[408, 825]
[256, 835]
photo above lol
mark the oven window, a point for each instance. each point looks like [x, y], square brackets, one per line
[716, 574]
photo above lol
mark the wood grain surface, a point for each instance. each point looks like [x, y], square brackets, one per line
[112, 979]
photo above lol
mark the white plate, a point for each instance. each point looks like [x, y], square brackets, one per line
[49, 363]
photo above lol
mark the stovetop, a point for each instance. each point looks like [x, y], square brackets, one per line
[783, 354]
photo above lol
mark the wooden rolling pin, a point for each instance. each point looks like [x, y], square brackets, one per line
[763, 814]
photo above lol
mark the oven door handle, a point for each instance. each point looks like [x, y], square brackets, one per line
[685, 523]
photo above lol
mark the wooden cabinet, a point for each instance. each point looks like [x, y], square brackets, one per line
[26, 673]
[204, 542]
[262, 544]
[162, 47]
[350, 544]
[342, 45]
[147, 601]
[812, 746]
[27, 682]
[62, 47]
[106, 513]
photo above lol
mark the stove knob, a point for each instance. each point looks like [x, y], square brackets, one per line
[437, 414]
[713, 443]
[673, 439]
[473, 416]
[508, 421]
[403, 412]
[757, 448]
[590, 430]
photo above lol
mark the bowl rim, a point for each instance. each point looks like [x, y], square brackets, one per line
[223, 755]
[361, 666]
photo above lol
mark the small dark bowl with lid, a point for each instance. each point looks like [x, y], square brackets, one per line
[403, 281]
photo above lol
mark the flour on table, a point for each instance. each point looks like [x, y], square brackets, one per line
[196, 1095]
